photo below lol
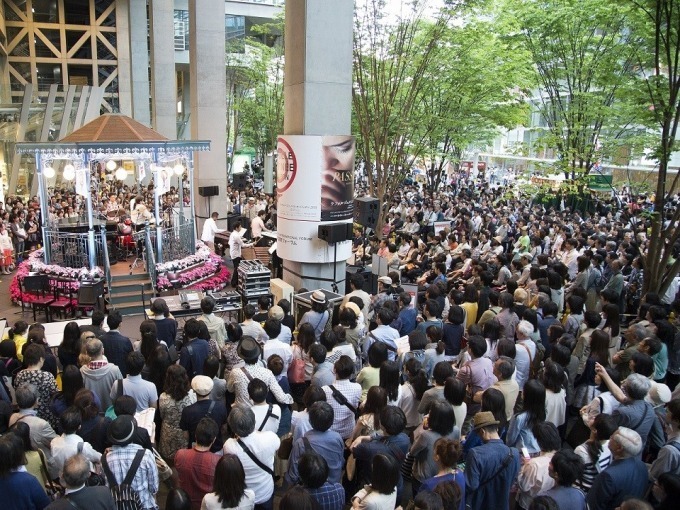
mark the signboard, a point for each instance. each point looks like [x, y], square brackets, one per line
[314, 184]
[441, 225]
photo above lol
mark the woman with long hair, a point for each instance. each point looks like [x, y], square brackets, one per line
[454, 393]
[494, 402]
[369, 421]
[382, 492]
[156, 356]
[554, 381]
[595, 451]
[93, 426]
[439, 423]
[229, 487]
[390, 381]
[520, 433]
[610, 314]
[69, 349]
[414, 387]
[176, 396]
[71, 383]
[534, 476]
[586, 389]
[470, 299]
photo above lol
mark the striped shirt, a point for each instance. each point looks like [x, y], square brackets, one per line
[591, 469]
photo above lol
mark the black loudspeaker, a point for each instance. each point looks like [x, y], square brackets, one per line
[240, 181]
[209, 191]
[365, 274]
[231, 220]
[335, 232]
[366, 211]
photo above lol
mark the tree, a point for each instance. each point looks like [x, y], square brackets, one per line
[479, 85]
[390, 63]
[659, 62]
[584, 59]
[257, 94]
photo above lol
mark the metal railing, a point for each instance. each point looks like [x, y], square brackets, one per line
[72, 250]
[179, 241]
[150, 258]
[107, 264]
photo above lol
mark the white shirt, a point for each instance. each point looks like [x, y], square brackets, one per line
[209, 230]
[212, 502]
[66, 446]
[263, 445]
[523, 360]
[256, 227]
[272, 424]
[236, 243]
[276, 346]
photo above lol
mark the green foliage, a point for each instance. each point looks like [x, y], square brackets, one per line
[477, 86]
[255, 84]
[583, 53]
[658, 58]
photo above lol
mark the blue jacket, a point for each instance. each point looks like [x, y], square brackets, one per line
[490, 471]
[623, 479]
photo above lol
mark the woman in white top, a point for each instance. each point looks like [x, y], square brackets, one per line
[389, 380]
[229, 487]
[534, 478]
[369, 421]
[555, 394]
[381, 494]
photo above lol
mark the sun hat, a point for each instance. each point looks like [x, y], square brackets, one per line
[484, 419]
[276, 312]
[353, 307]
[386, 280]
[202, 385]
[121, 431]
[319, 297]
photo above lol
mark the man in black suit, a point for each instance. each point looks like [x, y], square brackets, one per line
[74, 475]
[116, 346]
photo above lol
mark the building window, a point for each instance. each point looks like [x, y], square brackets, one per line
[235, 33]
[181, 30]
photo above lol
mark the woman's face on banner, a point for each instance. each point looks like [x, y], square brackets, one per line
[338, 152]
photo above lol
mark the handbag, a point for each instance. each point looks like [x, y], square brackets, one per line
[95, 479]
[53, 490]
[296, 371]
[286, 447]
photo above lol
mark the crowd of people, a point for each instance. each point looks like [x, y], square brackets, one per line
[529, 371]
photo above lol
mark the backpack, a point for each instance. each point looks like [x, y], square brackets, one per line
[124, 496]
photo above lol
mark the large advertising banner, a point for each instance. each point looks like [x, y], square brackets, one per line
[315, 185]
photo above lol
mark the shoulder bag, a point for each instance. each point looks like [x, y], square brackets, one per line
[340, 399]
[252, 456]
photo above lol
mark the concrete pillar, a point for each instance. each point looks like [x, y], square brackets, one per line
[139, 62]
[318, 96]
[163, 87]
[123, 44]
[208, 91]
[5, 92]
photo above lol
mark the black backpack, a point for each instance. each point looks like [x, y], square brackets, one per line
[124, 496]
